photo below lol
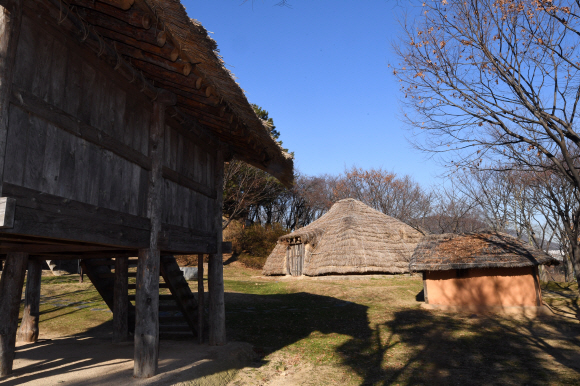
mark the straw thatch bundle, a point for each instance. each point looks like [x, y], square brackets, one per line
[476, 250]
[352, 238]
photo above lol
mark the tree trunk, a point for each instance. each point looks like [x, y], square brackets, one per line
[28, 331]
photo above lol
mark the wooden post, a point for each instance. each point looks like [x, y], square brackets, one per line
[28, 331]
[536, 275]
[121, 301]
[217, 312]
[200, 305]
[11, 289]
[425, 288]
[10, 19]
[147, 294]
[147, 314]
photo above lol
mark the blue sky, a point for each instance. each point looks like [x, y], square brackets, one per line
[321, 70]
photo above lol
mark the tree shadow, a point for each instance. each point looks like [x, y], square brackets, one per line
[419, 347]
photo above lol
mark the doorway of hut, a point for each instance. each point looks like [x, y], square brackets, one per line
[295, 259]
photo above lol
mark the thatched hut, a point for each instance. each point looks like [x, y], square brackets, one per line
[479, 270]
[352, 238]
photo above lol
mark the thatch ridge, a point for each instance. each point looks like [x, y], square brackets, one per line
[352, 238]
[476, 250]
[193, 40]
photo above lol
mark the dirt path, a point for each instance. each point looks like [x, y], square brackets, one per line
[96, 361]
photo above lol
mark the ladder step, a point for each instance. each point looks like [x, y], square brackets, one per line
[171, 319]
[134, 286]
[132, 274]
[161, 297]
[177, 335]
[174, 328]
[133, 262]
[169, 307]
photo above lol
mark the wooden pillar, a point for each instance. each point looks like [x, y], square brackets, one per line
[536, 275]
[147, 293]
[200, 299]
[10, 20]
[425, 288]
[217, 312]
[147, 314]
[11, 289]
[121, 301]
[28, 331]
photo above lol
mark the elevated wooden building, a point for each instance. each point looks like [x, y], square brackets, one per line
[116, 117]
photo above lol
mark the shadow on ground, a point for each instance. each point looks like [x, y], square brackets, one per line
[408, 346]
[412, 346]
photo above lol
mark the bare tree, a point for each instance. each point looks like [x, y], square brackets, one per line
[399, 197]
[246, 187]
[495, 80]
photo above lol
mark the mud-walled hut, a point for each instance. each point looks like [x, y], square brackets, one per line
[116, 117]
[479, 270]
[351, 238]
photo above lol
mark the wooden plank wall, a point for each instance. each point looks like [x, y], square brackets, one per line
[190, 206]
[45, 154]
[78, 131]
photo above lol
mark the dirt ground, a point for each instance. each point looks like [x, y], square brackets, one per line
[86, 360]
[330, 330]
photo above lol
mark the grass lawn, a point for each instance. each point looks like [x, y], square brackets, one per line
[370, 331]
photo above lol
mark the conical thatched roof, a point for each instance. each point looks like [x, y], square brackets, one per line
[351, 238]
[475, 250]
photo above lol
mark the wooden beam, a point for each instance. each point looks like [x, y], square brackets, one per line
[179, 66]
[64, 121]
[168, 51]
[11, 289]
[185, 241]
[150, 36]
[83, 34]
[36, 249]
[200, 298]
[121, 4]
[28, 331]
[7, 206]
[180, 179]
[134, 17]
[217, 313]
[121, 301]
[10, 20]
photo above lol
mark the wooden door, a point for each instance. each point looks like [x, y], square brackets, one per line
[296, 259]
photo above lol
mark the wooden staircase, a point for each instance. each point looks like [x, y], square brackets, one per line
[177, 311]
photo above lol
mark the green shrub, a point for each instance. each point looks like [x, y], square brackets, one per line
[253, 244]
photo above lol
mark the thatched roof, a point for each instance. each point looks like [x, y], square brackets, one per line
[475, 250]
[201, 49]
[276, 263]
[155, 45]
[351, 238]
